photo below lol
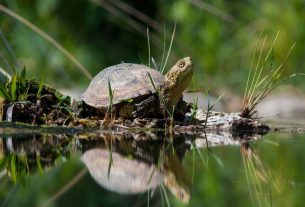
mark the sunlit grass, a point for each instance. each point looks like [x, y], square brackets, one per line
[111, 107]
[169, 49]
[170, 112]
[260, 81]
[164, 58]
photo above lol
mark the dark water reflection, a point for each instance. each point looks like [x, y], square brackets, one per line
[142, 169]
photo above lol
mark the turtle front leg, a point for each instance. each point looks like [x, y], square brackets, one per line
[149, 107]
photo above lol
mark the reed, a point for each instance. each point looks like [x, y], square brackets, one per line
[262, 81]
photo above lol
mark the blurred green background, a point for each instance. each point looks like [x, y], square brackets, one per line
[219, 35]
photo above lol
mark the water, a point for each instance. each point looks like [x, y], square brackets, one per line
[52, 167]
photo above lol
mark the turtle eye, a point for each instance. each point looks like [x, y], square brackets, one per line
[181, 64]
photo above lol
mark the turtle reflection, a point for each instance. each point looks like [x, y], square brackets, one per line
[126, 162]
[138, 169]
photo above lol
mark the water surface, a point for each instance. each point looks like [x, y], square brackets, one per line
[107, 168]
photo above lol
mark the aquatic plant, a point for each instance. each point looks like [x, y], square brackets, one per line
[16, 87]
[261, 81]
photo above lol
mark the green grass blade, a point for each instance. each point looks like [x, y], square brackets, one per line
[272, 46]
[164, 48]
[205, 164]
[23, 75]
[148, 198]
[161, 193]
[153, 83]
[148, 43]
[13, 170]
[170, 47]
[111, 95]
[217, 100]
[13, 89]
[252, 86]
[5, 94]
[247, 176]
[154, 63]
[47, 37]
[165, 194]
[39, 166]
[110, 162]
[40, 86]
[250, 71]
[273, 80]
[160, 96]
[273, 86]
[257, 83]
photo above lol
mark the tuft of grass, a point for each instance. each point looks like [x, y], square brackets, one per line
[16, 88]
[164, 59]
[261, 82]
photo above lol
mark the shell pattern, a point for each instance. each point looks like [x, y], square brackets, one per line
[127, 80]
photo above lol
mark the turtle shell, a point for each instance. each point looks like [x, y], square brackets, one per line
[127, 80]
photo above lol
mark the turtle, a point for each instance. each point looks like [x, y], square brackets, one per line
[138, 90]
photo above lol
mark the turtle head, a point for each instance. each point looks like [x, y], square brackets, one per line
[176, 80]
[180, 73]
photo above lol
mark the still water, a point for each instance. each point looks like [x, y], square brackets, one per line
[51, 167]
